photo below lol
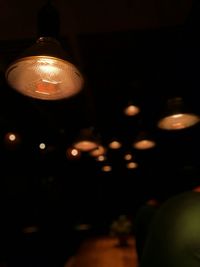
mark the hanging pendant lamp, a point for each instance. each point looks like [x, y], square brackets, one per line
[44, 71]
[144, 141]
[87, 141]
[177, 116]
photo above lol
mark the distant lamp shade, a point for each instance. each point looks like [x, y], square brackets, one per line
[100, 150]
[128, 156]
[101, 158]
[176, 116]
[144, 144]
[87, 140]
[144, 140]
[131, 165]
[131, 110]
[106, 168]
[115, 144]
[44, 73]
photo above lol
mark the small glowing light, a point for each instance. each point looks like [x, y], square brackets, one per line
[101, 158]
[73, 153]
[115, 145]
[85, 145]
[128, 156]
[12, 140]
[42, 146]
[46, 65]
[178, 121]
[12, 137]
[177, 115]
[131, 165]
[131, 110]
[106, 168]
[144, 144]
[100, 150]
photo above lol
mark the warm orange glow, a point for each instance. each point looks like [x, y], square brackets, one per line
[178, 121]
[44, 77]
[12, 139]
[131, 165]
[196, 189]
[128, 156]
[101, 158]
[131, 110]
[100, 150]
[144, 144]
[115, 145]
[106, 168]
[73, 153]
[105, 251]
[85, 145]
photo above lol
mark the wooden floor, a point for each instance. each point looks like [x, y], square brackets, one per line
[104, 252]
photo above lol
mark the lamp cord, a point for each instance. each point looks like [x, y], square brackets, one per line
[48, 21]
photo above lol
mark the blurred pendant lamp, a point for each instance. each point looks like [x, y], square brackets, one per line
[177, 116]
[131, 109]
[87, 140]
[43, 70]
[144, 141]
[99, 151]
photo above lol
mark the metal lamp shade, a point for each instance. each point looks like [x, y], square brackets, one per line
[43, 73]
[87, 140]
[177, 117]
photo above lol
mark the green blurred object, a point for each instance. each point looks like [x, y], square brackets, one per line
[174, 239]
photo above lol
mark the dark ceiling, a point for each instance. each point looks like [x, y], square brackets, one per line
[146, 53]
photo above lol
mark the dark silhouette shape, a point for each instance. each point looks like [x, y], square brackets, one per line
[174, 238]
[142, 224]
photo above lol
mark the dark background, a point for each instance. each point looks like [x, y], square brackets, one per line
[147, 51]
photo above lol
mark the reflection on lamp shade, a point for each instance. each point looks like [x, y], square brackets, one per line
[44, 73]
[177, 116]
